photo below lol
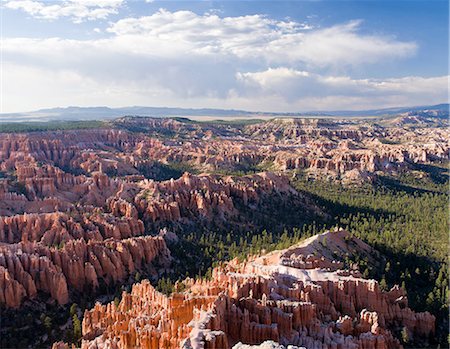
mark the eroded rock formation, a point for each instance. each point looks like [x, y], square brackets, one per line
[48, 164]
[205, 196]
[100, 236]
[268, 298]
[79, 265]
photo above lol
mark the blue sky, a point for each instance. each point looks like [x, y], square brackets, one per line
[270, 55]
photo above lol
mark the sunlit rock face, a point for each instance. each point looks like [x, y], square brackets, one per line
[297, 296]
[206, 196]
[29, 267]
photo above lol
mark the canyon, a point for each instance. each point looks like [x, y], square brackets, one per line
[85, 214]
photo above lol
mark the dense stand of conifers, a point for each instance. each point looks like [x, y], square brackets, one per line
[405, 217]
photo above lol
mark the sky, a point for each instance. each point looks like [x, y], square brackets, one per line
[277, 56]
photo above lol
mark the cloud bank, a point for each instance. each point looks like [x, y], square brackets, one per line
[203, 60]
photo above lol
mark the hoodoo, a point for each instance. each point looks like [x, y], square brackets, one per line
[296, 296]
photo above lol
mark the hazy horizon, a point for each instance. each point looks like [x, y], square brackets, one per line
[256, 112]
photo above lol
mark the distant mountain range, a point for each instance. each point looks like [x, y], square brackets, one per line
[439, 110]
[105, 113]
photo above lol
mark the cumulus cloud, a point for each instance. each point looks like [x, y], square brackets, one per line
[290, 86]
[187, 59]
[273, 77]
[260, 37]
[76, 10]
[343, 44]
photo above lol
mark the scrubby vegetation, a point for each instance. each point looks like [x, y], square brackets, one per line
[16, 127]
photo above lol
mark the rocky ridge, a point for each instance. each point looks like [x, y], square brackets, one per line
[91, 243]
[267, 298]
[340, 149]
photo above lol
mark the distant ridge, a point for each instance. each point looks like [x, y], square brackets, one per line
[444, 107]
[106, 113]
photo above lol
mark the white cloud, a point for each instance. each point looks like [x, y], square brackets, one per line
[278, 80]
[29, 88]
[182, 58]
[77, 10]
[259, 37]
[318, 92]
[272, 76]
[288, 91]
[343, 44]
